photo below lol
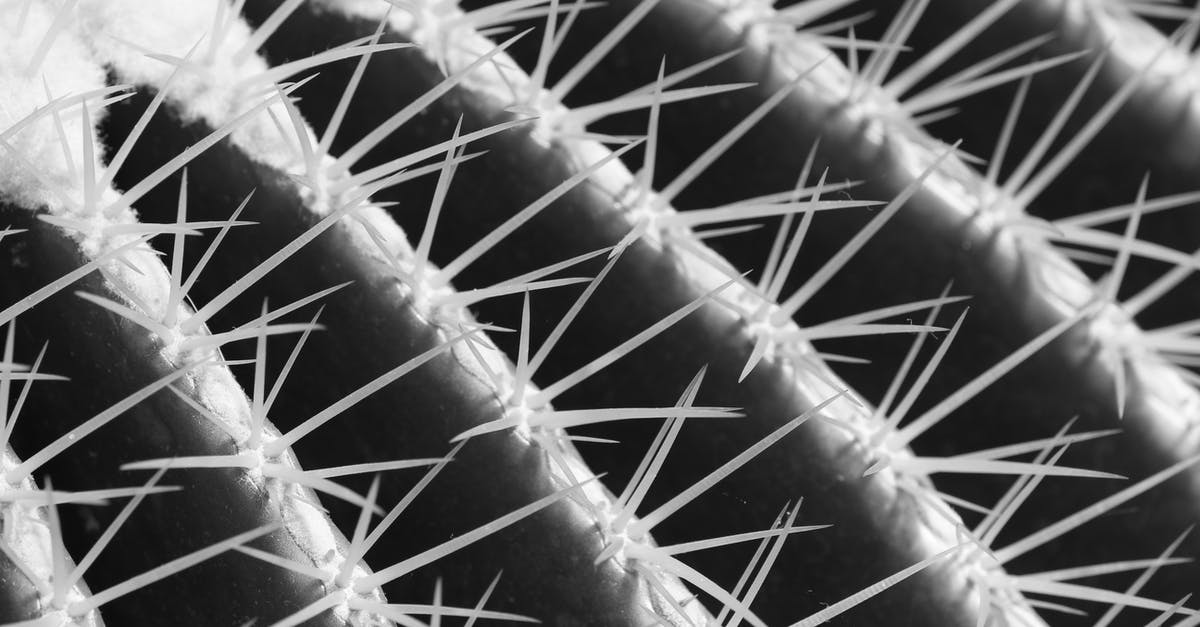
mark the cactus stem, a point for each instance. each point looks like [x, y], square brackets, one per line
[401, 611]
[719, 147]
[357, 469]
[202, 342]
[528, 280]
[818, 279]
[395, 167]
[865, 594]
[470, 297]
[585, 65]
[903, 82]
[122, 153]
[283, 562]
[408, 565]
[775, 545]
[658, 557]
[357, 546]
[445, 175]
[241, 460]
[11, 312]
[486, 243]
[710, 543]
[314, 609]
[48, 452]
[403, 504]
[291, 307]
[289, 474]
[579, 118]
[634, 493]
[933, 465]
[1135, 587]
[573, 418]
[85, 497]
[1122, 212]
[231, 292]
[276, 447]
[1069, 523]
[750, 210]
[537, 78]
[256, 459]
[9, 419]
[1111, 241]
[142, 320]
[905, 435]
[1083, 593]
[779, 263]
[639, 528]
[866, 317]
[546, 395]
[901, 410]
[135, 193]
[994, 521]
[1091, 570]
[356, 152]
[1013, 450]
[258, 413]
[561, 327]
[880, 63]
[286, 70]
[1024, 192]
[207, 413]
[313, 172]
[1110, 287]
[102, 542]
[80, 608]
[930, 99]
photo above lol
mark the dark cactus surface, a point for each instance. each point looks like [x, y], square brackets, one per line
[634, 312]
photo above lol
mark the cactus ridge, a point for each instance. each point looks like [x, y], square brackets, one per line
[1109, 337]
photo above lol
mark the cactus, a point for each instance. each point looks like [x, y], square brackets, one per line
[340, 312]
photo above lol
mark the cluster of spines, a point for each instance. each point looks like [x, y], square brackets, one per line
[1056, 286]
[1117, 344]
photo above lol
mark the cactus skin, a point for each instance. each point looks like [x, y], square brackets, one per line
[536, 549]
[415, 417]
[938, 238]
[648, 285]
[168, 526]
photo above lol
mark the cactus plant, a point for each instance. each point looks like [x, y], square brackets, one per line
[209, 209]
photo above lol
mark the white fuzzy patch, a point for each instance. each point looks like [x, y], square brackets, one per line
[25, 532]
[211, 87]
[36, 164]
[453, 47]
